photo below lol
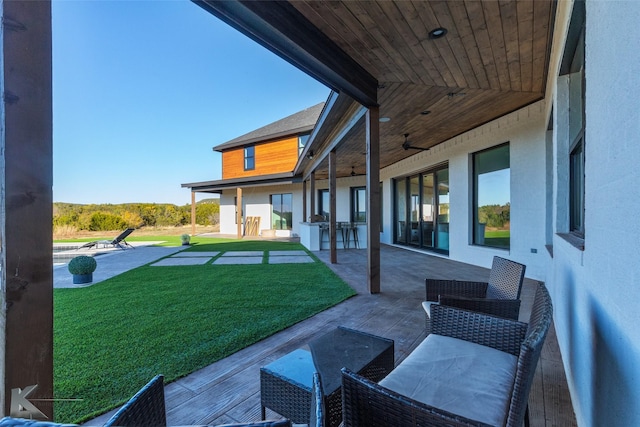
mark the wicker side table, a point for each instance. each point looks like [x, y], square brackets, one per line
[285, 384]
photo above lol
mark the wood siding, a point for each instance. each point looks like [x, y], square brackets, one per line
[270, 157]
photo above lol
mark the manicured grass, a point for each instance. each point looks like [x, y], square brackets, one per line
[497, 238]
[112, 337]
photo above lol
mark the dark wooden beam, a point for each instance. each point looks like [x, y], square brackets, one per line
[193, 213]
[304, 201]
[342, 129]
[312, 190]
[279, 27]
[26, 165]
[332, 207]
[373, 200]
[239, 212]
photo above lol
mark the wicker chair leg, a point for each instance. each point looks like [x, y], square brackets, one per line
[263, 412]
[526, 416]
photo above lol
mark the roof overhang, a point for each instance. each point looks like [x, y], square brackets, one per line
[492, 61]
[255, 181]
[282, 29]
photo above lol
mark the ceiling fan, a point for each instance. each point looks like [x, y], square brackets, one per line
[406, 145]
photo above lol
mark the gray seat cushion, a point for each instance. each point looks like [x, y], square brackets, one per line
[458, 376]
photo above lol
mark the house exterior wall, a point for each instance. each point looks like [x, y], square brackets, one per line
[257, 202]
[596, 291]
[525, 130]
[270, 157]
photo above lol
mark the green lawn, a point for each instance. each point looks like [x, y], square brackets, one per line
[112, 337]
[497, 238]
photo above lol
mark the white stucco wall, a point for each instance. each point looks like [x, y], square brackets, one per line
[257, 202]
[525, 130]
[596, 291]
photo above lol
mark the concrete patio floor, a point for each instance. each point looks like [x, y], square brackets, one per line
[228, 390]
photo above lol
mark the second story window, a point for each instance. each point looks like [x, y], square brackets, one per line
[249, 158]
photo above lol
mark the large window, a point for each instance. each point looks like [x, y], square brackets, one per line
[359, 204]
[422, 210]
[281, 211]
[492, 197]
[576, 133]
[323, 204]
[249, 158]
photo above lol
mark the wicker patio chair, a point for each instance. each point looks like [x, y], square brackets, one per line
[145, 408]
[318, 413]
[366, 403]
[500, 296]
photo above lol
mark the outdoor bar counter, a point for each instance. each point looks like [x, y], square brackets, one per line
[314, 239]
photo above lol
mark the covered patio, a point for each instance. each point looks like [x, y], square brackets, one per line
[229, 390]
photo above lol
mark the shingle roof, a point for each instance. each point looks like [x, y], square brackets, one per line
[300, 122]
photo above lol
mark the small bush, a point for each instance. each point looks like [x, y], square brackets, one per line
[82, 265]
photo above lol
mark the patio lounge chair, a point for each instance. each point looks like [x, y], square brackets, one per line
[119, 241]
[500, 296]
[474, 369]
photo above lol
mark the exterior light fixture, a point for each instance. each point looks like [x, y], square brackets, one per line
[437, 33]
[353, 172]
[384, 119]
[310, 155]
[425, 112]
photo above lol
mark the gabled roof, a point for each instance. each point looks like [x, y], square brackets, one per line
[300, 122]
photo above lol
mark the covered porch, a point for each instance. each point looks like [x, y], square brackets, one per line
[229, 390]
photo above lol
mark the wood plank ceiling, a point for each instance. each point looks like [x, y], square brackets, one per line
[493, 60]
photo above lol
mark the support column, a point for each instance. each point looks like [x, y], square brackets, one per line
[239, 212]
[333, 255]
[312, 190]
[373, 200]
[304, 201]
[26, 179]
[193, 213]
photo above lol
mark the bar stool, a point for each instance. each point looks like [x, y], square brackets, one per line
[324, 228]
[353, 229]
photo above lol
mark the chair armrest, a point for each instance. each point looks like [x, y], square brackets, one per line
[437, 287]
[507, 308]
[365, 403]
[496, 332]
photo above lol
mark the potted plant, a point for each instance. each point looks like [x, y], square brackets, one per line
[185, 239]
[82, 268]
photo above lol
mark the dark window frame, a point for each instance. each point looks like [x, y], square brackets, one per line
[249, 157]
[281, 202]
[321, 206]
[475, 202]
[355, 208]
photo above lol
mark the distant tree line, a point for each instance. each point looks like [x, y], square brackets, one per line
[496, 216]
[107, 217]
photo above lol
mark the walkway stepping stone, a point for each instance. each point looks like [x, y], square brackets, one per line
[230, 260]
[295, 259]
[287, 253]
[243, 253]
[189, 254]
[168, 262]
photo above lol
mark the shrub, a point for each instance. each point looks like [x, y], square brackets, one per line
[82, 264]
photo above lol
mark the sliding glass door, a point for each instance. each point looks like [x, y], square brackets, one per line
[422, 210]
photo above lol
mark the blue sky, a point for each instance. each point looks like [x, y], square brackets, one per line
[142, 90]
